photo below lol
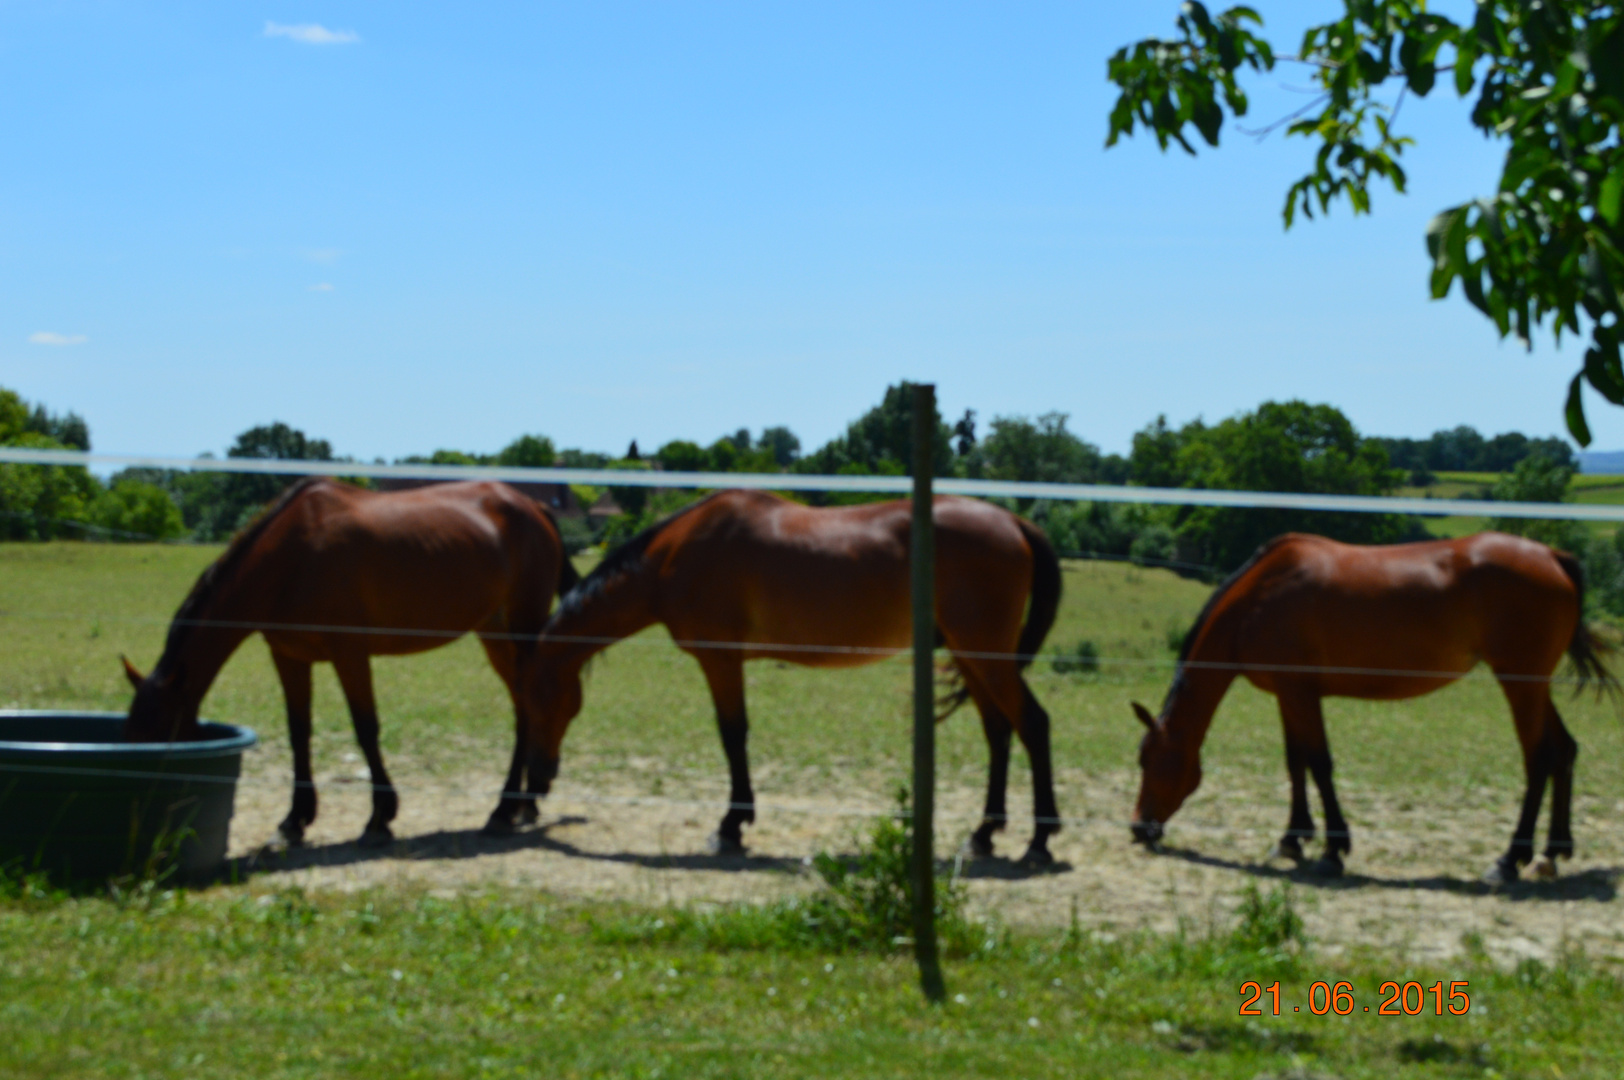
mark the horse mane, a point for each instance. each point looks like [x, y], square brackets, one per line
[619, 563]
[1212, 602]
[222, 569]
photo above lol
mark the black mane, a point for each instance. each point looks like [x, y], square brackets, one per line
[617, 564]
[1206, 611]
[188, 615]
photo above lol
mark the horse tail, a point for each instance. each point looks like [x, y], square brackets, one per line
[1586, 650]
[1040, 615]
[1046, 586]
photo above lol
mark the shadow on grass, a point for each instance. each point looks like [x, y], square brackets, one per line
[1233, 1038]
[999, 868]
[1440, 1051]
[472, 843]
[1597, 883]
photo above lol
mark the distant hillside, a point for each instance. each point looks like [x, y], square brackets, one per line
[1610, 462]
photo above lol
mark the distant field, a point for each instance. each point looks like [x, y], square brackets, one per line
[490, 969]
[1595, 489]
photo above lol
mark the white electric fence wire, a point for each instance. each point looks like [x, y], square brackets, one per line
[893, 485]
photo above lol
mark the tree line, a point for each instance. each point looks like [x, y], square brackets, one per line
[1290, 446]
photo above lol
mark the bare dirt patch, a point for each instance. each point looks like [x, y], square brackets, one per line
[640, 834]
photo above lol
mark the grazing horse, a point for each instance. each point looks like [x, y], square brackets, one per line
[333, 573]
[745, 575]
[1307, 618]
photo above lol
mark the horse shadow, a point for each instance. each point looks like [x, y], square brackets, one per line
[456, 844]
[1599, 883]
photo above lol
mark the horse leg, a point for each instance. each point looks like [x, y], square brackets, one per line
[724, 671]
[1301, 712]
[1300, 826]
[295, 676]
[355, 676]
[515, 806]
[1034, 734]
[1559, 841]
[994, 817]
[1529, 704]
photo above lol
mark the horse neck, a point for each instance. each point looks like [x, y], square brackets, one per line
[200, 642]
[1202, 680]
[615, 610]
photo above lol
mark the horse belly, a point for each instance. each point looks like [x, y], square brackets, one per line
[393, 599]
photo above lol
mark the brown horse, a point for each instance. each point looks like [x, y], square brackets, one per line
[1307, 618]
[745, 575]
[332, 573]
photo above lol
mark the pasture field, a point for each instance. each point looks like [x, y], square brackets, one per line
[1430, 787]
[1592, 488]
[503, 984]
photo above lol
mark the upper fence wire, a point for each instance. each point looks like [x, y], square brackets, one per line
[892, 485]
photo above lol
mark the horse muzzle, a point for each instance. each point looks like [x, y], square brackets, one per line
[1146, 832]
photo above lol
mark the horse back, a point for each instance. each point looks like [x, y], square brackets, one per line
[1436, 606]
[444, 556]
[749, 566]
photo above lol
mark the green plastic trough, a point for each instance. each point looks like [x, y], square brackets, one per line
[81, 804]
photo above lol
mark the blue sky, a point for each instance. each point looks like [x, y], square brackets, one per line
[407, 226]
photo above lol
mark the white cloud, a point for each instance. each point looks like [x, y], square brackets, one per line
[311, 34]
[47, 337]
[323, 255]
[323, 287]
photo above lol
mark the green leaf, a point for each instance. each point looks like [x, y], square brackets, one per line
[1576, 412]
[1611, 189]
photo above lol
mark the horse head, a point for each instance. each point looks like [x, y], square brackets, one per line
[1169, 771]
[159, 712]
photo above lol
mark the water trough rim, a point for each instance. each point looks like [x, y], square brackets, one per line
[239, 740]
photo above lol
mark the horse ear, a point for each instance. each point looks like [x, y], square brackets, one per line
[1144, 716]
[135, 677]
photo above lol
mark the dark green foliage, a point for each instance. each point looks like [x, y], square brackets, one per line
[1539, 479]
[582, 459]
[782, 444]
[680, 455]
[1550, 81]
[1155, 546]
[1282, 446]
[1462, 449]
[43, 502]
[630, 499]
[1081, 659]
[528, 451]
[881, 436]
[137, 510]
[1040, 450]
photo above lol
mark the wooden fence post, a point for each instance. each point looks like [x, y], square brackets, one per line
[923, 566]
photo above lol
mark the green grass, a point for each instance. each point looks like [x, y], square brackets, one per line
[231, 981]
[68, 610]
[405, 984]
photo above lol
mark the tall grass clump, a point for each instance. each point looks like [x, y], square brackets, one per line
[864, 903]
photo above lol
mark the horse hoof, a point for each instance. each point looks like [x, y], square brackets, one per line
[1327, 868]
[497, 826]
[725, 845]
[529, 815]
[292, 835]
[376, 836]
[1503, 872]
[1283, 850]
[981, 846]
[1544, 867]
[1037, 858]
